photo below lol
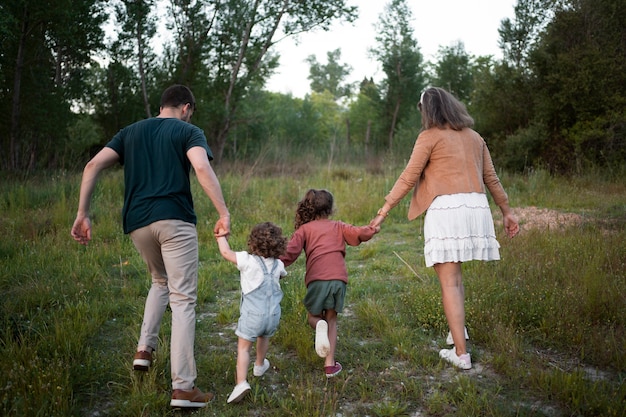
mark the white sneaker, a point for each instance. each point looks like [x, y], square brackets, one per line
[322, 344]
[260, 370]
[239, 392]
[449, 339]
[463, 362]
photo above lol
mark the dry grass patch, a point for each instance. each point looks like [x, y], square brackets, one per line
[532, 217]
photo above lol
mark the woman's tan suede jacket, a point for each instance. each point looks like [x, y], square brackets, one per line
[446, 161]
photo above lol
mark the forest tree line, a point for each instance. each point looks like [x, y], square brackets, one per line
[556, 99]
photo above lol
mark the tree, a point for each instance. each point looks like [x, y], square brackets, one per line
[137, 27]
[580, 70]
[454, 71]
[223, 49]
[115, 98]
[517, 37]
[402, 63]
[364, 114]
[329, 77]
[503, 98]
[42, 65]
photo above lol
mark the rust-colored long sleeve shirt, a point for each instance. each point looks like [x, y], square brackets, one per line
[324, 244]
[446, 161]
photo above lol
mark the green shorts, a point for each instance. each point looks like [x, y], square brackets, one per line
[325, 295]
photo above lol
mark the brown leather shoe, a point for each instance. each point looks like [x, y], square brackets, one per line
[142, 361]
[190, 399]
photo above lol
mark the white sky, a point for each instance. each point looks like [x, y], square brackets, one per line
[436, 23]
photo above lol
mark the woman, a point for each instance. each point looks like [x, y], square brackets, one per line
[448, 171]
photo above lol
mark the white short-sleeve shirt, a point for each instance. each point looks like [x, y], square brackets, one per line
[251, 272]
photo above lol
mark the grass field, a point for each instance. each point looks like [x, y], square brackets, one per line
[547, 322]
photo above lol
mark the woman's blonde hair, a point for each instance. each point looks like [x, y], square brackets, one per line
[441, 109]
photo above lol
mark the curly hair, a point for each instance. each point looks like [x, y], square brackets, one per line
[440, 108]
[316, 204]
[267, 240]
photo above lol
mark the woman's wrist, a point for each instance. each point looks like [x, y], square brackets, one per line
[383, 213]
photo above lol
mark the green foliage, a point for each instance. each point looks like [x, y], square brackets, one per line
[222, 51]
[82, 137]
[453, 71]
[329, 77]
[502, 102]
[555, 100]
[402, 62]
[579, 66]
[408, 131]
[42, 65]
[520, 151]
[518, 36]
[364, 115]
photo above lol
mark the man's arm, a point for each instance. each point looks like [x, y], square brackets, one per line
[211, 186]
[81, 230]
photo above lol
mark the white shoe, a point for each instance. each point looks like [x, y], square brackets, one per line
[463, 362]
[449, 339]
[260, 370]
[322, 344]
[239, 392]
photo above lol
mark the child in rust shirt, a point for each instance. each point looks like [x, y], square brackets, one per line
[324, 244]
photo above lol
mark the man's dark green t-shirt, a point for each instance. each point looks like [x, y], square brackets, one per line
[156, 170]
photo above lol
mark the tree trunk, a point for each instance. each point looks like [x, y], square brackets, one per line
[394, 119]
[367, 137]
[142, 72]
[17, 84]
[229, 108]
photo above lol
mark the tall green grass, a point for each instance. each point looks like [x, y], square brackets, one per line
[547, 323]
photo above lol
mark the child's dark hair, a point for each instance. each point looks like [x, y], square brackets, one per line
[267, 240]
[316, 204]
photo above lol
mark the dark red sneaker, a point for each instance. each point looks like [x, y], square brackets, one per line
[190, 399]
[333, 370]
[142, 361]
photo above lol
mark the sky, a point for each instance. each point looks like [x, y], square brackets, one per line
[436, 24]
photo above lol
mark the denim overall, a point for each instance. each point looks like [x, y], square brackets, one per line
[260, 308]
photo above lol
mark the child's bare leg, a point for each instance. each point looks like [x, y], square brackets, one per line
[262, 345]
[322, 343]
[331, 319]
[243, 359]
[313, 319]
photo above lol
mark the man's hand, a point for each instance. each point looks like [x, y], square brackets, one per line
[81, 230]
[222, 226]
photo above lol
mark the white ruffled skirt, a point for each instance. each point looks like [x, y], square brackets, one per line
[459, 228]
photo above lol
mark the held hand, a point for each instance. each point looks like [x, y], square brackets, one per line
[81, 230]
[222, 227]
[221, 233]
[377, 221]
[511, 226]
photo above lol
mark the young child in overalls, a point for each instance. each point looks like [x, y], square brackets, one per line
[260, 271]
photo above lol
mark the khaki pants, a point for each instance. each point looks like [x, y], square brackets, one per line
[170, 250]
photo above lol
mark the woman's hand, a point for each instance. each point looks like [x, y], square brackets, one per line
[377, 221]
[511, 225]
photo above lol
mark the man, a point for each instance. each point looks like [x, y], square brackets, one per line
[157, 155]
